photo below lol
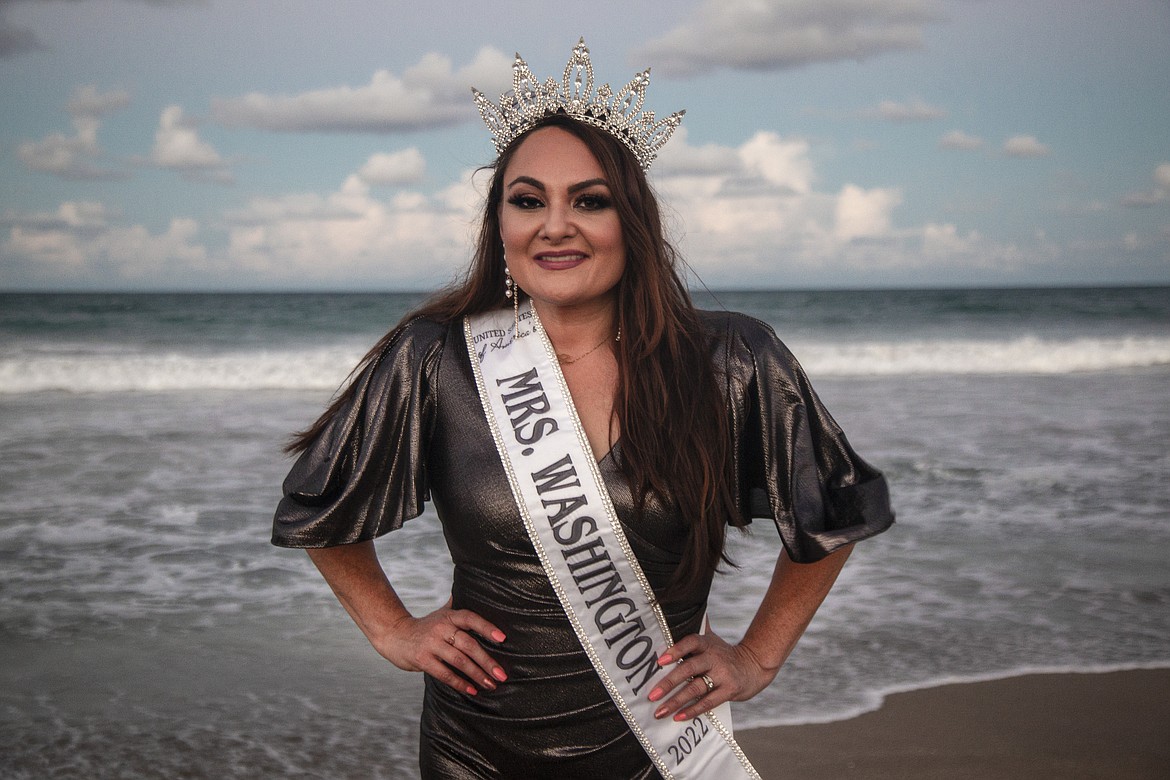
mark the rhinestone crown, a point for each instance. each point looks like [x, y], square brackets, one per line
[529, 101]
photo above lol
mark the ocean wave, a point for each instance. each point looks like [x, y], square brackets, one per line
[1023, 355]
[325, 368]
[316, 369]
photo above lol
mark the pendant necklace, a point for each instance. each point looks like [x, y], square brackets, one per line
[565, 360]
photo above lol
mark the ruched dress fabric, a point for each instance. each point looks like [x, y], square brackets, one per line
[416, 431]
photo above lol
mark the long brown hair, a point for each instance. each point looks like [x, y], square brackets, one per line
[675, 441]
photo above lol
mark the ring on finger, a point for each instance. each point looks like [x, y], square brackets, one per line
[708, 682]
[451, 639]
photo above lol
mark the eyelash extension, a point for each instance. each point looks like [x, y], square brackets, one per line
[591, 201]
[596, 201]
[524, 201]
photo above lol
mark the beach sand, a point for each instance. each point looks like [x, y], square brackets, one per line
[1109, 725]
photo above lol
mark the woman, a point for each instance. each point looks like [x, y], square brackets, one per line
[541, 662]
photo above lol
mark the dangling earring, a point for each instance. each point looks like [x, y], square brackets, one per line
[511, 290]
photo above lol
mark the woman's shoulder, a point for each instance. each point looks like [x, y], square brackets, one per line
[744, 349]
[735, 331]
[421, 331]
[734, 322]
[414, 348]
[418, 335]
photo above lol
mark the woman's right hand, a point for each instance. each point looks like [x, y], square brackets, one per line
[441, 644]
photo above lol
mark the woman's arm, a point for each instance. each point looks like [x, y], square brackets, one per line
[437, 644]
[741, 671]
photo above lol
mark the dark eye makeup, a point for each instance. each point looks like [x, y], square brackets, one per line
[525, 201]
[593, 201]
[590, 201]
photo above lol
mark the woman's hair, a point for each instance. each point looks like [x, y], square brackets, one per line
[675, 441]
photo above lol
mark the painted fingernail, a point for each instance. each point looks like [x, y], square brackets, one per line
[664, 660]
[498, 635]
[487, 683]
[470, 690]
[656, 694]
[499, 674]
[681, 717]
[658, 713]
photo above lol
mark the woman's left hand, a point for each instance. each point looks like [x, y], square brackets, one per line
[734, 671]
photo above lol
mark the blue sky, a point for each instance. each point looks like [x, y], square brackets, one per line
[300, 145]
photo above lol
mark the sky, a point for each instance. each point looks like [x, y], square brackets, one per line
[299, 145]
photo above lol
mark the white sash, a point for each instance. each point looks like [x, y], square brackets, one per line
[571, 522]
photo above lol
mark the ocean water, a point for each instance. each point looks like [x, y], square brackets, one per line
[148, 629]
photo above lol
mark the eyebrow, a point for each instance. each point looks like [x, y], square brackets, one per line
[581, 185]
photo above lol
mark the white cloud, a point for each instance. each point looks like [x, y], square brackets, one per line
[69, 158]
[762, 216]
[678, 157]
[1159, 194]
[402, 167]
[346, 238]
[1143, 200]
[410, 240]
[775, 34]
[782, 163]
[755, 217]
[70, 216]
[297, 207]
[1162, 176]
[943, 246]
[748, 215]
[79, 243]
[137, 253]
[864, 213]
[957, 139]
[916, 110]
[88, 102]
[77, 156]
[1024, 146]
[178, 147]
[428, 94]
[944, 240]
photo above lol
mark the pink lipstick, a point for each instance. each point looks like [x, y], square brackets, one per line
[560, 260]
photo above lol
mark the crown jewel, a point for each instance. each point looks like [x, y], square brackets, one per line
[620, 115]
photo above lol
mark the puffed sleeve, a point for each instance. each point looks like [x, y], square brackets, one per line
[365, 473]
[795, 463]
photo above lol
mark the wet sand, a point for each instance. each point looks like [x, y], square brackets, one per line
[1111, 725]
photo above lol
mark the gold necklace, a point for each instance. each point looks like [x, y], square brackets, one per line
[565, 360]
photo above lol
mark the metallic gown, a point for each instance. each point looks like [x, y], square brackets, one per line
[415, 431]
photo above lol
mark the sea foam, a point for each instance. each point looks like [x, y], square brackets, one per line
[311, 369]
[1023, 355]
[326, 368]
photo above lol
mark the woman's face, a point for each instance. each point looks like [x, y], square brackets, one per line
[561, 232]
